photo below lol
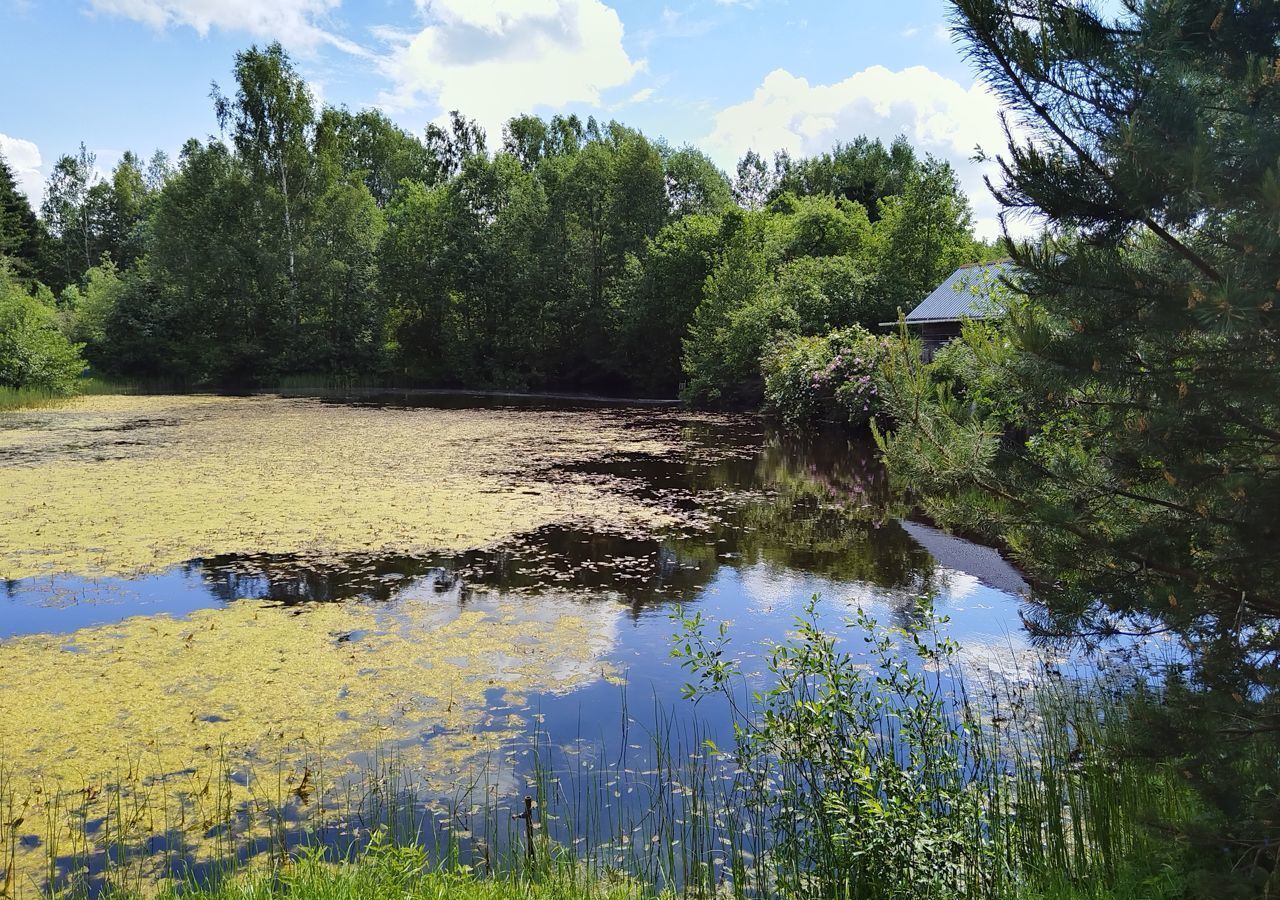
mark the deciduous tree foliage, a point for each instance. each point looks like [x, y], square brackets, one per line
[862, 171]
[694, 185]
[578, 256]
[922, 234]
[368, 147]
[344, 324]
[272, 123]
[73, 212]
[33, 351]
[1122, 432]
[124, 211]
[811, 265]
[658, 295]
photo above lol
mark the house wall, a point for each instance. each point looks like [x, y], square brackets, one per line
[935, 335]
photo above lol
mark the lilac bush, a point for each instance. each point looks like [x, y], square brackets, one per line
[831, 378]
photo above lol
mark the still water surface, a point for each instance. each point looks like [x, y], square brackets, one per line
[786, 519]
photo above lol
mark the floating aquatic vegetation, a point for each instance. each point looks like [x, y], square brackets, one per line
[121, 485]
[184, 717]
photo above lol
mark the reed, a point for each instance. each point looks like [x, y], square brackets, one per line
[12, 398]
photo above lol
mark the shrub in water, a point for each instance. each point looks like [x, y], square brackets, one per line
[874, 787]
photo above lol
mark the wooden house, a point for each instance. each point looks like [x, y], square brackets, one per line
[968, 293]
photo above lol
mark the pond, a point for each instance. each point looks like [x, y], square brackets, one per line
[267, 593]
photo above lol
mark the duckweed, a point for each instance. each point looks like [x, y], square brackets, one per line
[185, 715]
[120, 485]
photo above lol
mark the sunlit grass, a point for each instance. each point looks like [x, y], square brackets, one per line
[34, 398]
[390, 871]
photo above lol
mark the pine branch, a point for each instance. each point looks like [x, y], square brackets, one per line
[1011, 73]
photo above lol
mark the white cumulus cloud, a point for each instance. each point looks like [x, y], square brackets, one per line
[24, 161]
[936, 114]
[492, 59]
[299, 24]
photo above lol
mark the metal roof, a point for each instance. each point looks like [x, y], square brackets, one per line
[966, 294]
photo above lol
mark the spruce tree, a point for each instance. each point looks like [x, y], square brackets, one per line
[23, 240]
[1122, 431]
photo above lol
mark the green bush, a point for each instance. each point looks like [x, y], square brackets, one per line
[826, 292]
[730, 328]
[875, 763]
[33, 351]
[868, 777]
[832, 378]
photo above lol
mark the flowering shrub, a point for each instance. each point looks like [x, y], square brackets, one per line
[829, 378]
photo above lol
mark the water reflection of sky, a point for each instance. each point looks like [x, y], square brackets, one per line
[786, 521]
[758, 588]
[766, 592]
[780, 523]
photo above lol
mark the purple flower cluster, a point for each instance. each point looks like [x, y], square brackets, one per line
[849, 375]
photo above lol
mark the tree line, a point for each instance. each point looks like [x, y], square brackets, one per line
[576, 255]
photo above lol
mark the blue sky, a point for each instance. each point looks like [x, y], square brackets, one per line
[725, 75]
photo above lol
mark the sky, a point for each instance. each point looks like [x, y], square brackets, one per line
[723, 75]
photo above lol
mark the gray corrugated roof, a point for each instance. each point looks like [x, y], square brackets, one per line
[966, 294]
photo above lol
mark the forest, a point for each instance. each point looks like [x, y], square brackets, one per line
[578, 256]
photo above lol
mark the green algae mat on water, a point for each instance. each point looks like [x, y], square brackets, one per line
[225, 716]
[173, 725]
[119, 485]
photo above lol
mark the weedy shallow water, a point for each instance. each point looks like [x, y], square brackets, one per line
[126, 485]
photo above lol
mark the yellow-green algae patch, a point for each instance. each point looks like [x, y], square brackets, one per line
[120, 485]
[161, 710]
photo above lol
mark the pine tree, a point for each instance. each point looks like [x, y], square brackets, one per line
[1122, 432]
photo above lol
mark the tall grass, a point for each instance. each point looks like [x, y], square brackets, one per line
[895, 773]
[899, 779]
[385, 869]
[1079, 818]
[319, 381]
[31, 397]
